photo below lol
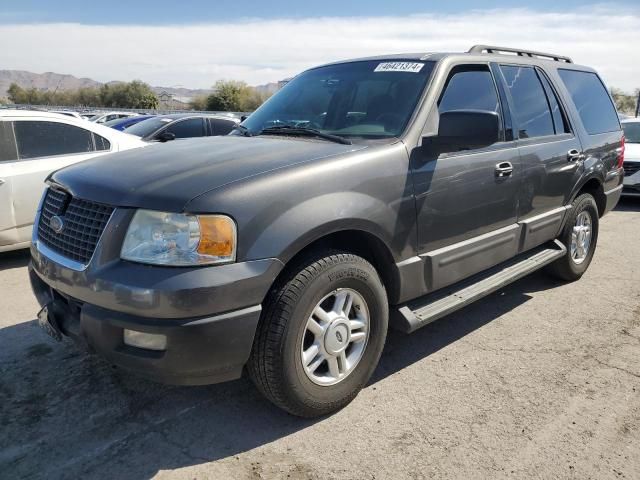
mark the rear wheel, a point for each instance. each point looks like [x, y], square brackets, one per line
[321, 335]
[580, 236]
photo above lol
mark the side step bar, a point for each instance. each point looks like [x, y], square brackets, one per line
[429, 308]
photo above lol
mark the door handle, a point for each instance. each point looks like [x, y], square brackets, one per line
[504, 169]
[575, 155]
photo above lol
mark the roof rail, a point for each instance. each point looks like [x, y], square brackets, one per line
[519, 52]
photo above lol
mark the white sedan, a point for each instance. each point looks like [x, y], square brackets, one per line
[34, 144]
[631, 127]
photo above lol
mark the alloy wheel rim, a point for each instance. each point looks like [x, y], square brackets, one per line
[335, 337]
[581, 237]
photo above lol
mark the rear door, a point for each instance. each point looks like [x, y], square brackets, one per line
[550, 152]
[599, 128]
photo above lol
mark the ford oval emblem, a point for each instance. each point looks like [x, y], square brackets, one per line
[56, 223]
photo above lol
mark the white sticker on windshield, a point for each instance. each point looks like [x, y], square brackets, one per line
[413, 67]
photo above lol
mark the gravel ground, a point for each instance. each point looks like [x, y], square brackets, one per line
[540, 380]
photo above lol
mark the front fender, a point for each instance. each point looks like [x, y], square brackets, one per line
[302, 224]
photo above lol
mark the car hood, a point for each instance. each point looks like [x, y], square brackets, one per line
[167, 176]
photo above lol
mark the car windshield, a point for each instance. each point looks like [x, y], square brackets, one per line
[631, 132]
[369, 99]
[147, 127]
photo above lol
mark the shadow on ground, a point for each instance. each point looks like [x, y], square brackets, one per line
[65, 414]
[628, 204]
[14, 259]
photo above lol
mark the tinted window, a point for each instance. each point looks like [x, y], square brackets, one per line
[591, 100]
[532, 112]
[559, 119]
[221, 127]
[469, 90]
[101, 142]
[43, 139]
[7, 142]
[149, 126]
[631, 132]
[192, 127]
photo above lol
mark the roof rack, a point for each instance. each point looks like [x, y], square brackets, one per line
[519, 52]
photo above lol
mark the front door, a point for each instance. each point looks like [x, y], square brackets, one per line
[466, 201]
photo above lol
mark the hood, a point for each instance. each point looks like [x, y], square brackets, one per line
[166, 176]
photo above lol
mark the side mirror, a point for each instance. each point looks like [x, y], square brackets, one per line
[166, 137]
[243, 118]
[467, 130]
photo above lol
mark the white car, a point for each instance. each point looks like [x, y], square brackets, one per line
[68, 113]
[631, 127]
[103, 117]
[34, 144]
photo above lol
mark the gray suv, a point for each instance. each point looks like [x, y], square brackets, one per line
[385, 191]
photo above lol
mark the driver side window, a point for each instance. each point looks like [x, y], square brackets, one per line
[469, 88]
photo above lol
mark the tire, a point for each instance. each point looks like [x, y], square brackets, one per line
[568, 267]
[285, 338]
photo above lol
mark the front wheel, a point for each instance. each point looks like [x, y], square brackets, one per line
[580, 236]
[321, 335]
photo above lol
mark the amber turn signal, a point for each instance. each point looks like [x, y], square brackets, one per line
[217, 236]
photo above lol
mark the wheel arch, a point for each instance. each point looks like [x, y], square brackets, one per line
[593, 186]
[358, 241]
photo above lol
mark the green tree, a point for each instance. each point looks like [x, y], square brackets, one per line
[134, 94]
[624, 103]
[199, 103]
[233, 96]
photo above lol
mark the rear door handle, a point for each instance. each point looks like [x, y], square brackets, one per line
[504, 169]
[575, 155]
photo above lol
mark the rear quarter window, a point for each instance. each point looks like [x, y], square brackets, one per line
[592, 101]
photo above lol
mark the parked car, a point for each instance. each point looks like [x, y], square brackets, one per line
[104, 117]
[387, 189]
[68, 113]
[183, 125]
[34, 144]
[631, 127]
[122, 124]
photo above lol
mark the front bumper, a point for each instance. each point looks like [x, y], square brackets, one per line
[208, 314]
[632, 183]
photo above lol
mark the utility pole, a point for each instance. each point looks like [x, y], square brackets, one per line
[638, 104]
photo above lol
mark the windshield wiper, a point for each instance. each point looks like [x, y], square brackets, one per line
[311, 132]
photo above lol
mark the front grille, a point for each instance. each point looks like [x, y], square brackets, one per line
[631, 168]
[83, 222]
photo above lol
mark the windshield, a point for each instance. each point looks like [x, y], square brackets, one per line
[631, 132]
[370, 99]
[147, 127]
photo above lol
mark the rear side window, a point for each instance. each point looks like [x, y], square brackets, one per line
[469, 88]
[7, 142]
[559, 118]
[45, 139]
[192, 127]
[591, 100]
[101, 143]
[221, 127]
[530, 105]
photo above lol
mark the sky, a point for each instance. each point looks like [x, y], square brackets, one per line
[193, 44]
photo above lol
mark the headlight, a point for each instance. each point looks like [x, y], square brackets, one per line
[179, 239]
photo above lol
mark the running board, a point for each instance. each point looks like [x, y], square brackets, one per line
[427, 309]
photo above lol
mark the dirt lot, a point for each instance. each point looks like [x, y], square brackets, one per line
[541, 380]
